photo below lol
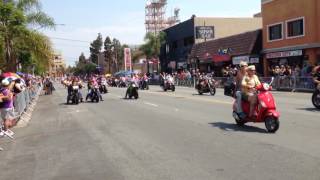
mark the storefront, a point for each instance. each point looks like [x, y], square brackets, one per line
[291, 58]
[250, 59]
[230, 51]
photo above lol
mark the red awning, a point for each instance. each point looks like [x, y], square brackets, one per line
[221, 58]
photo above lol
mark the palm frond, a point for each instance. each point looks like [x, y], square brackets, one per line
[40, 19]
[28, 5]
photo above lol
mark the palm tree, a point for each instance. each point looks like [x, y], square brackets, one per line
[16, 19]
[153, 43]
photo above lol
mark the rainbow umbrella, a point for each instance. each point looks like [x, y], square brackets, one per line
[11, 75]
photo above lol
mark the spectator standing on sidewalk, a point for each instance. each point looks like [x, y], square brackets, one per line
[6, 107]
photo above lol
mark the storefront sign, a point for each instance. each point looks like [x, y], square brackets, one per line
[284, 54]
[205, 32]
[254, 60]
[236, 60]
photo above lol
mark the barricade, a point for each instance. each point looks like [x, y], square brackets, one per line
[24, 99]
[287, 83]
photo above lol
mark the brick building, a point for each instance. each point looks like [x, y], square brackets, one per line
[291, 33]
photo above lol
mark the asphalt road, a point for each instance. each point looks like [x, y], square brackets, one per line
[162, 136]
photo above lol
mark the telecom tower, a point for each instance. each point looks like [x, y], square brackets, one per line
[156, 19]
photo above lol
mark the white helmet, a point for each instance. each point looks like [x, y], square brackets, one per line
[5, 82]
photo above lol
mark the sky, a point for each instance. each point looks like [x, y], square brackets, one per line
[80, 21]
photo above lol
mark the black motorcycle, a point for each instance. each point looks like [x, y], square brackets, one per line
[93, 95]
[122, 84]
[316, 98]
[206, 86]
[74, 95]
[103, 89]
[132, 91]
[144, 85]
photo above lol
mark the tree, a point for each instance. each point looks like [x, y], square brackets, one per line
[108, 52]
[95, 48]
[152, 45]
[116, 55]
[82, 58]
[16, 16]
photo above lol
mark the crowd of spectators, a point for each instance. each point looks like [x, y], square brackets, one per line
[16, 94]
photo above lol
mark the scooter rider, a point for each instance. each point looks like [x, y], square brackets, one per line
[249, 84]
[240, 74]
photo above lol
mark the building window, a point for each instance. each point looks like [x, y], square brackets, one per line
[295, 28]
[275, 32]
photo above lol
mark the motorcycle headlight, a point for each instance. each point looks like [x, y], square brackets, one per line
[266, 87]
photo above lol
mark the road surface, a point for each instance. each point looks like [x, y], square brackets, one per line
[162, 136]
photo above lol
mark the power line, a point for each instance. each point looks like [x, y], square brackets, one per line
[73, 40]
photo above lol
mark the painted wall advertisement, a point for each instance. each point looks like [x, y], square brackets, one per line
[127, 59]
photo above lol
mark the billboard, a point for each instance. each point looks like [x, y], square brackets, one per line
[127, 59]
[205, 32]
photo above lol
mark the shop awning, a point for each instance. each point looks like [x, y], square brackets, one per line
[246, 43]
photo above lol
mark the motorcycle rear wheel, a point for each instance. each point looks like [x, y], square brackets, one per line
[316, 99]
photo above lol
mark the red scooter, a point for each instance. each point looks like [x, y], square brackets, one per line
[265, 109]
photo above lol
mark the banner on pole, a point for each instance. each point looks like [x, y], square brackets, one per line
[127, 59]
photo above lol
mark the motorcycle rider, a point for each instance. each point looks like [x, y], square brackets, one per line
[91, 85]
[76, 82]
[249, 83]
[238, 80]
[316, 74]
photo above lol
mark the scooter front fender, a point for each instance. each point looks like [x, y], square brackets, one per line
[273, 113]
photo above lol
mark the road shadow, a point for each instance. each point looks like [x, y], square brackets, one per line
[204, 95]
[309, 109]
[234, 127]
[128, 99]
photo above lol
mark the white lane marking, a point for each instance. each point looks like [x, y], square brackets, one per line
[151, 104]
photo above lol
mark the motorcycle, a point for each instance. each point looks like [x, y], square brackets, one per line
[93, 95]
[206, 86]
[316, 98]
[74, 95]
[265, 109]
[103, 87]
[169, 85]
[132, 91]
[144, 84]
[122, 84]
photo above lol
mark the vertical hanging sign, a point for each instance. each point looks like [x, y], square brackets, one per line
[127, 59]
